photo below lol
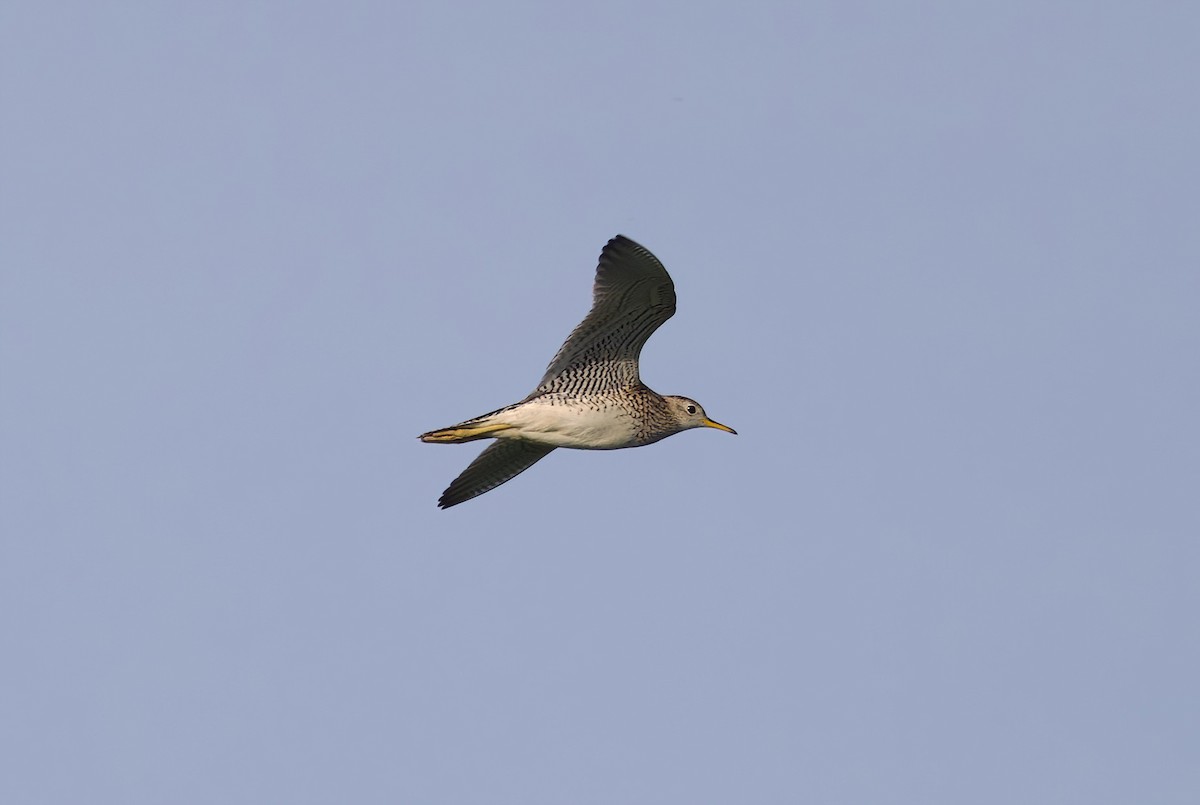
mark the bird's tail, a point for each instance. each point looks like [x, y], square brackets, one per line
[464, 432]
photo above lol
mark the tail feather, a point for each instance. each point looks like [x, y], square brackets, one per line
[463, 433]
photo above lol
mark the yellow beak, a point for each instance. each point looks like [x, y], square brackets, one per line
[708, 423]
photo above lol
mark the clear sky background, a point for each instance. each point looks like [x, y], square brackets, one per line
[938, 263]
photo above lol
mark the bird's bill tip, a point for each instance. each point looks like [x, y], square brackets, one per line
[708, 423]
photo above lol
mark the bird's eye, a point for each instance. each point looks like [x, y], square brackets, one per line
[691, 409]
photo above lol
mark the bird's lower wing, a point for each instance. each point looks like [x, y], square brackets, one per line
[500, 462]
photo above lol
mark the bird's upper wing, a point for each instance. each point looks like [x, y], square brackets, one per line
[632, 297]
[502, 461]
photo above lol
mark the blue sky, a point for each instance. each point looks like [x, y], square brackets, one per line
[936, 262]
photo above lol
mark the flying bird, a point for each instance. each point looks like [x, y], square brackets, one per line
[592, 396]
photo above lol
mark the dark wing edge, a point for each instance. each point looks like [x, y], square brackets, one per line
[499, 463]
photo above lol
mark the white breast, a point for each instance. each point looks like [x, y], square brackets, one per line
[581, 427]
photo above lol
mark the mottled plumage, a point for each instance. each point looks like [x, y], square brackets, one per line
[591, 396]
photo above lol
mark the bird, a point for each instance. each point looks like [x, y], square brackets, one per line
[591, 396]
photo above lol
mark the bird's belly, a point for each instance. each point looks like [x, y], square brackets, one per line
[580, 426]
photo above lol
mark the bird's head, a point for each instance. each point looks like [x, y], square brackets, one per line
[689, 414]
